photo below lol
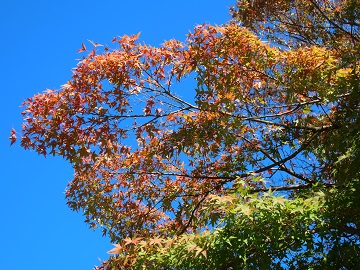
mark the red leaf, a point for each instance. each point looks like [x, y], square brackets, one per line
[13, 136]
[83, 48]
[92, 53]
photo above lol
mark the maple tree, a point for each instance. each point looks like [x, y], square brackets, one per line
[236, 148]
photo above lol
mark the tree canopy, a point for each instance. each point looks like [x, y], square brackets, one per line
[235, 149]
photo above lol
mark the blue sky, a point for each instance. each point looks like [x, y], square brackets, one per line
[39, 43]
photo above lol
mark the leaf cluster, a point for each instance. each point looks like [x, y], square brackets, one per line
[254, 164]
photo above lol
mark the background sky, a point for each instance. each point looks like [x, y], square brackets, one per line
[38, 48]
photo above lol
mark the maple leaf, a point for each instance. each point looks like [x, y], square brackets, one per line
[95, 44]
[116, 250]
[49, 91]
[156, 241]
[129, 241]
[82, 49]
[92, 53]
[12, 136]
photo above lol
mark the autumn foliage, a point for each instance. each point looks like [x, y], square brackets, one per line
[237, 147]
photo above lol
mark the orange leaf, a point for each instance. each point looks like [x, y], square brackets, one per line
[156, 241]
[116, 250]
[95, 44]
[82, 49]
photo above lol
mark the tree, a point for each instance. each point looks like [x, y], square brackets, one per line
[257, 167]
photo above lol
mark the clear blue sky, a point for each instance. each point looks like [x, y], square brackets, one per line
[39, 43]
